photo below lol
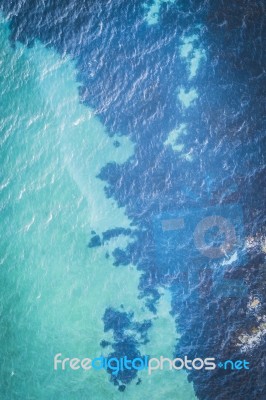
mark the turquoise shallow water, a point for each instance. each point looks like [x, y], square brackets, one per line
[54, 289]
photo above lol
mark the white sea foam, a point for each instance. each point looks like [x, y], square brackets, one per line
[249, 341]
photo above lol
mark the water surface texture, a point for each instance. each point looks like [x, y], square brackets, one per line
[124, 125]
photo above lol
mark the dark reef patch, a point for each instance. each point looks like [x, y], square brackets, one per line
[128, 335]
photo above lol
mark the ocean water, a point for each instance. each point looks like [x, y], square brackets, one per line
[115, 116]
[59, 289]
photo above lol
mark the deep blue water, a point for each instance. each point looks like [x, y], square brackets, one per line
[130, 72]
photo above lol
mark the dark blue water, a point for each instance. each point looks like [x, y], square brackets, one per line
[130, 73]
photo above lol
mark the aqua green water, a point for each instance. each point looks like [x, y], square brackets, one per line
[54, 289]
